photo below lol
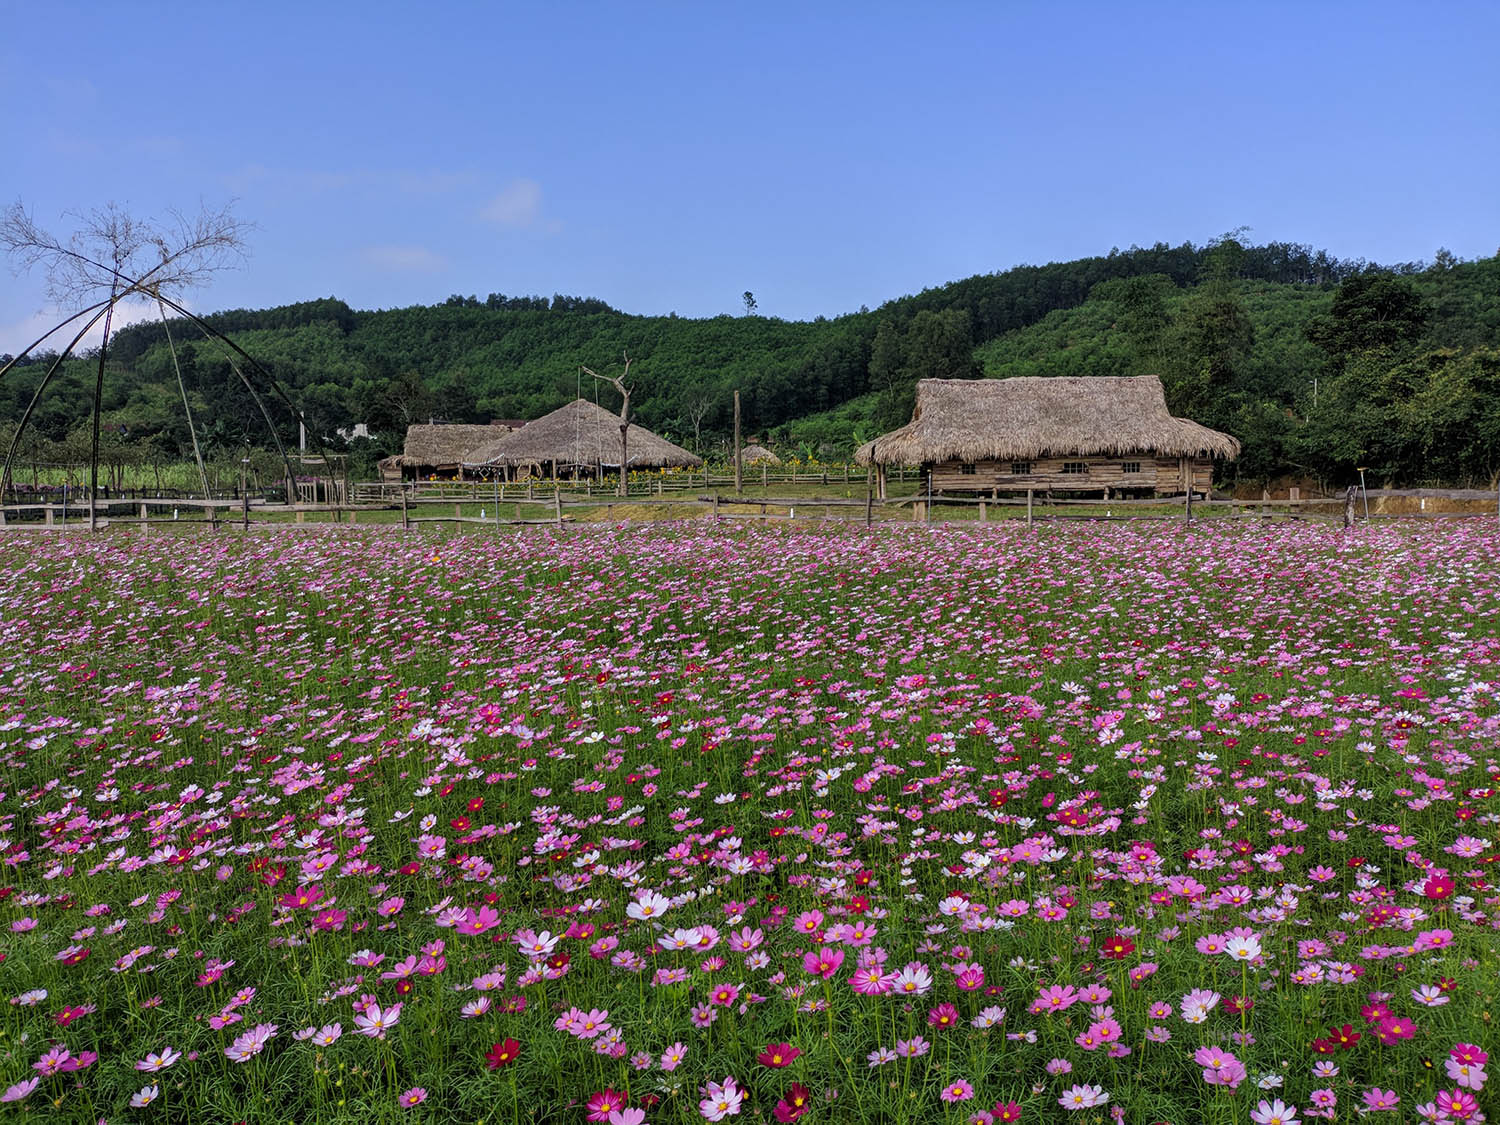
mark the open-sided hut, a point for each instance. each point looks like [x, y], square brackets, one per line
[440, 449]
[1073, 434]
[581, 438]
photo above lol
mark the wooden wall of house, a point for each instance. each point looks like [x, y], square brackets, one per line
[1161, 475]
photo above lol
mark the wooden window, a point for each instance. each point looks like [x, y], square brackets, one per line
[968, 469]
[1020, 468]
[1130, 467]
[1075, 468]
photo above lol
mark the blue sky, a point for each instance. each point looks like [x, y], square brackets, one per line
[667, 157]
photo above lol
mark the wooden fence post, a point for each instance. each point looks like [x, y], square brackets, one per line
[1028, 507]
[738, 484]
[869, 505]
[245, 510]
[981, 512]
[405, 518]
[557, 507]
[716, 507]
[1349, 507]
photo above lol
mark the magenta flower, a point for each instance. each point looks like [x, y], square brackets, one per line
[1055, 998]
[943, 1016]
[1375, 1099]
[957, 1091]
[823, 962]
[413, 1097]
[603, 1103]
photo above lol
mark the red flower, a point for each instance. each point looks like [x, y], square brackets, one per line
[1007, 1111]
[778, 1055]
[1344, 1037]
[502, 1054]
[1118, 947]
[795, 1104]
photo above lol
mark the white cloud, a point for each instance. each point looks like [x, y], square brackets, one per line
[406, 259]
[17, 334]
[518, 205]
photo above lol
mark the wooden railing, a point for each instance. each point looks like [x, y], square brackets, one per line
[531, 503]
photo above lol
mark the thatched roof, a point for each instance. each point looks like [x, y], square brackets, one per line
[1027, 418]
[580, 433]
[758, 455]
[443, 445]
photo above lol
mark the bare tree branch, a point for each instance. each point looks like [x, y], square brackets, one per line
[113, 253]
[618, 382]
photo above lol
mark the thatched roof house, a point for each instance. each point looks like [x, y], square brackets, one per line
[579, 435]
[441, 448]
[1078, 433]
[754, 454]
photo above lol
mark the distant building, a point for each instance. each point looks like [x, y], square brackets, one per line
[1063, 434]
[578, 439]
[437, 449]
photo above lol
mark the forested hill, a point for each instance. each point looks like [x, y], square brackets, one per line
[1239, 334]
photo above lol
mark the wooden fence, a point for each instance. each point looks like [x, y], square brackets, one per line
[530, 503]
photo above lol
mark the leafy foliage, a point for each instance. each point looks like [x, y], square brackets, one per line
[1247, 339]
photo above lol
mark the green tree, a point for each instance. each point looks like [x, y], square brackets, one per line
[887, 376]
[1371, 311]
[1141, 313]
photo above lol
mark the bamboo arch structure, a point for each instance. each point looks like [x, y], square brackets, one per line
[104, 310]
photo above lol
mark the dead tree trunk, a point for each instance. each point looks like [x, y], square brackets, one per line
[618, 382]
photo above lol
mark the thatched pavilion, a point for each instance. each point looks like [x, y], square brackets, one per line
[581, 438]
[756, 454]
[1074, 434]
[440, 449]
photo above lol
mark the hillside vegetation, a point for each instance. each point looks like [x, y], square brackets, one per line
[1317, 364]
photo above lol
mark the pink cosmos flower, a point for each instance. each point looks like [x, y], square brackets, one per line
[154, 1062]
[603, 1103]
[1376, 1099]
[957, 1091]
[1274, 1113]
[943, 1016]
[1394, 1028]
[721, 1100]
[413, 1097]
[20, 1091]
[375, 1022]
[1080, 1096]
[1055, 998]
[824, 962]
[1457, 1104]
[1467, 1075]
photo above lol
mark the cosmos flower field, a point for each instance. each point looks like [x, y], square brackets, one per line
[1127, 822]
